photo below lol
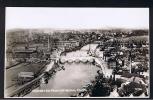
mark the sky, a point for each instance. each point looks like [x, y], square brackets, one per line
[76, 18]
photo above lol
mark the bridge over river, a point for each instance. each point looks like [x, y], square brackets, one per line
[76, 75]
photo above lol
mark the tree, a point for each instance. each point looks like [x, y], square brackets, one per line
[101, 89]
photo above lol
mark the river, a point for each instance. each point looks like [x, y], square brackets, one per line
[70, 81]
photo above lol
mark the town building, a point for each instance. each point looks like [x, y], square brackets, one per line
[66, 44]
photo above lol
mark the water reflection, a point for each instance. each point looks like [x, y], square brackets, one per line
[75, 76]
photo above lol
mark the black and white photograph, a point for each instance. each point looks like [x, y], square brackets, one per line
[77, 52]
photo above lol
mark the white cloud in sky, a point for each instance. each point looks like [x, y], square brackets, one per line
[49, 17]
